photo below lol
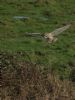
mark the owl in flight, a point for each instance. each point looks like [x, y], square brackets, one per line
[52, 36]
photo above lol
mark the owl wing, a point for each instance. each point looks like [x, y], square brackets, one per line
[60, 30]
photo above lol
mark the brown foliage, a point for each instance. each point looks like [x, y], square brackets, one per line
[25, 81]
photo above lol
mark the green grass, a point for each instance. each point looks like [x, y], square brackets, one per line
[12, 31]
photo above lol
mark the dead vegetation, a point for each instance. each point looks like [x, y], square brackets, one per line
[25, 81]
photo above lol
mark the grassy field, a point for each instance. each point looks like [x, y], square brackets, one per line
[30, 67]
[44, 16]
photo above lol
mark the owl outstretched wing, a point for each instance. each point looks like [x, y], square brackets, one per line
[60, 30]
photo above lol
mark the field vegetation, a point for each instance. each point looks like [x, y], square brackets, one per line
[50, 65]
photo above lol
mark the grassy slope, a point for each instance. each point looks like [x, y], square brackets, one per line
[12, 32]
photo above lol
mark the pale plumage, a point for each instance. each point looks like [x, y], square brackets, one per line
[52, 36]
